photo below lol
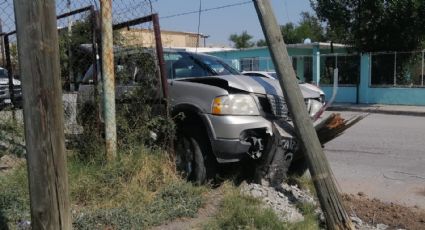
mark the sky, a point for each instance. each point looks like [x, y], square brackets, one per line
[220, 23]
[217, 23]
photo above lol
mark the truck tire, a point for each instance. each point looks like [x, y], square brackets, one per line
[298, 165]
[194, 158]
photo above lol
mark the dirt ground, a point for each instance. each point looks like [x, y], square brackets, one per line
[375, 212]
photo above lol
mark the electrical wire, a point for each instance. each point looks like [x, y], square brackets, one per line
[208, 9]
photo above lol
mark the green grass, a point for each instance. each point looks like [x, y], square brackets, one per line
[139, 190]
[239, 211]
[14, 197]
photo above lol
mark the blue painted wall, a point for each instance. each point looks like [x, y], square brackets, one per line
[345, 94]
[386, 95]
[396, 96]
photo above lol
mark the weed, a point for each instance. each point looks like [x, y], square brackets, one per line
[138, 190]
[243, 212]
[11, 136]
[238, 211]
[304, 182]
[14, 197]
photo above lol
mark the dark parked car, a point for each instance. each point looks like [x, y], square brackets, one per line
[5, 99]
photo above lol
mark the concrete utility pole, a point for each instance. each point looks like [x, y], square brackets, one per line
[329, 197]
[108, 79]
[43, 113]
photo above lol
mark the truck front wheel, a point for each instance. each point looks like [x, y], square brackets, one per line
[193, 156]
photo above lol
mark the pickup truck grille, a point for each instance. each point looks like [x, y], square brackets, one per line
[274, 105]
[278, 106]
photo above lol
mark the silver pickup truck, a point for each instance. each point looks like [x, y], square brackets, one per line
[227, 116]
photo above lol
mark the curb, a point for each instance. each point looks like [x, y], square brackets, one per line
[377, 110]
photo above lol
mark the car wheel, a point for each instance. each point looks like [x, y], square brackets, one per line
[194, 158]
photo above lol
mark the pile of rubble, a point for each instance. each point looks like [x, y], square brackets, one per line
[284, 199]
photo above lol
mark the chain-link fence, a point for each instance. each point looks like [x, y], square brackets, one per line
[397, 69]
[140, 83]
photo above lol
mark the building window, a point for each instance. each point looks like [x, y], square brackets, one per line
[348, 69]
[250, 64]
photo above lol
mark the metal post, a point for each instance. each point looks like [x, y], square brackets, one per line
[422, 75]
[43, 113]
[9, 69]
[108, 79]
[2, 44]
[71, 72]
[160, 55]
[94, 29]
[395, 69]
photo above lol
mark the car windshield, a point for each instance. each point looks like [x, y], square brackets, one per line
[3, 73]
[190, 65]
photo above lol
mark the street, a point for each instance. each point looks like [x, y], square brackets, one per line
[382, 156]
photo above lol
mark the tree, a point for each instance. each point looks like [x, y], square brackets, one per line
[81, 60]
[374, 25]
[261, 42]
[241, 41]
[308, 27]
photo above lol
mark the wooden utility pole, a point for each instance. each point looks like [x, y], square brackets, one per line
[108, 76]
[43, 113]
[329, 197]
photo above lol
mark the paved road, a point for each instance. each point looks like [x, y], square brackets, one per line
[382, 156]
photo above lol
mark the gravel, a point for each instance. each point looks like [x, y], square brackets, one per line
[278, 201]
[284, 199]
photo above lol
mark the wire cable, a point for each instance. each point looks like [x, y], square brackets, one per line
[199, 25]
[208, 9]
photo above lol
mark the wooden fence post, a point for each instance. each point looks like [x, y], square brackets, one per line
[43, 113]
[329, 197]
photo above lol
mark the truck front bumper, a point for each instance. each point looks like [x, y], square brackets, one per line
[228, 135]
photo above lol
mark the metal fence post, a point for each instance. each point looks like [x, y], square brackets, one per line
[422, 72]
[395, 69]
[9, 69]
[160, 55]
[108, 79]
[2, 44]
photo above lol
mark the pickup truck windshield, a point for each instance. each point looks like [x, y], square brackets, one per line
[191, 65]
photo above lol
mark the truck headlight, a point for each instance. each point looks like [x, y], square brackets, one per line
[234, 104]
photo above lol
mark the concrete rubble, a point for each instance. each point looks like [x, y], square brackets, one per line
[284, 199]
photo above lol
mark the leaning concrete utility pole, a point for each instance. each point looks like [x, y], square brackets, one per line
[43, 113]
[327, 192]
[108, 77]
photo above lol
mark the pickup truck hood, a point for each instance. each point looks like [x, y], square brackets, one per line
[251, 84]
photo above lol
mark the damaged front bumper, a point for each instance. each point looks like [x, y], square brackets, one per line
[235, 137]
